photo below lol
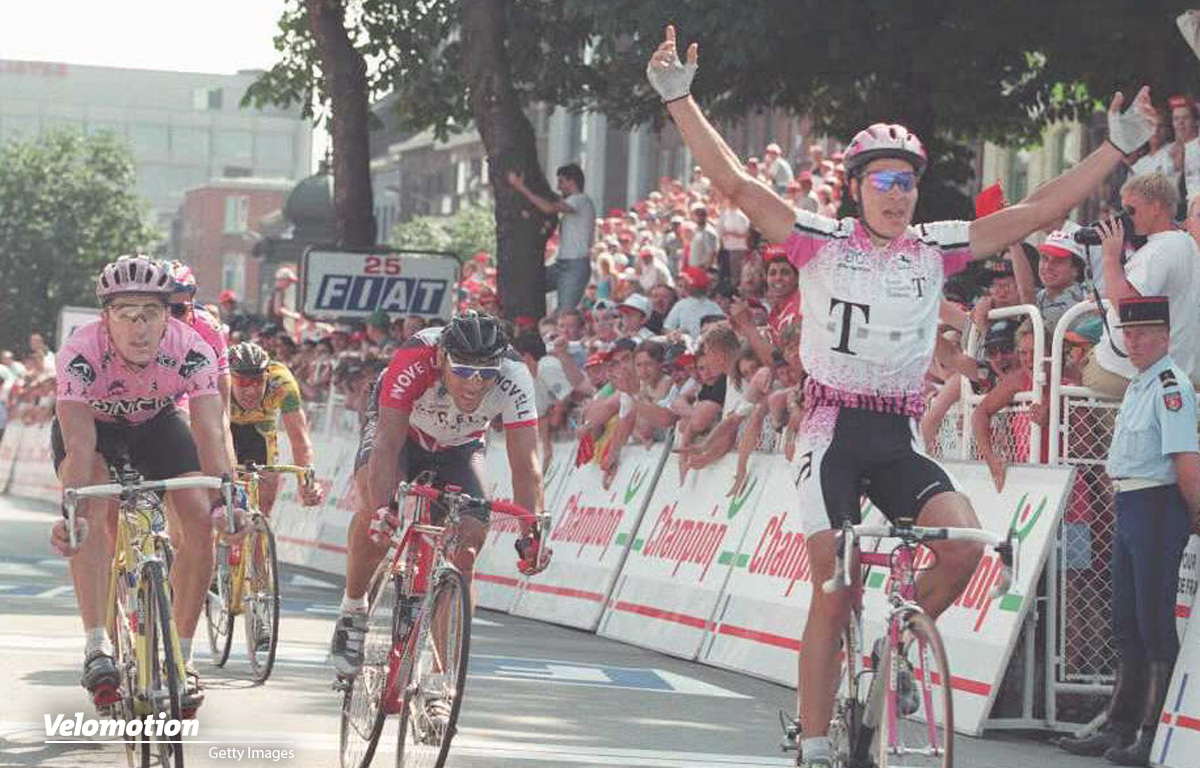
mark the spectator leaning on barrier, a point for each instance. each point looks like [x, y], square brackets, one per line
[720, 352]
[635, 311]
[1154, 462]
[1167, 265]
[1060, 267]
[577, 229]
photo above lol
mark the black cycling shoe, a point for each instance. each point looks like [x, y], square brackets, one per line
[193, 692]
[101, 679]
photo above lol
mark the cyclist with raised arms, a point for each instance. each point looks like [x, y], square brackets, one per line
[434, 405]
[871, 289]
[264, 392]
[118, 381]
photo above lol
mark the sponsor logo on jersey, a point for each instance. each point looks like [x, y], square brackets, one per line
[408, 377]
[166, 361]
[121, 408]
[522, 402]
[683, 540]
[194, 361]
[586, 525]
[82, 370]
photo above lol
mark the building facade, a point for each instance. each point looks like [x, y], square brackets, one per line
[184, 128]
[218, 226]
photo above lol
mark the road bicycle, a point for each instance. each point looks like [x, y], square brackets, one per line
[905, 716]
[418, 636]
[246, 579]
[139, 618]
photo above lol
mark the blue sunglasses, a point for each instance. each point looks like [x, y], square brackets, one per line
[883, 181]
[485, 373]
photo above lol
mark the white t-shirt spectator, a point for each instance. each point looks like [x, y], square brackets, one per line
[705, 245]
[779, 173]
[1053, 308]
[656, 272]
[1156, 162]
[688, 312]
[1167, 265]
[734, 229]
[1191, 174]
[550, 385]
[578, 228]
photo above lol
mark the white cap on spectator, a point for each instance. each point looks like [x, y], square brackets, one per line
[1061, 243]
[638, 302]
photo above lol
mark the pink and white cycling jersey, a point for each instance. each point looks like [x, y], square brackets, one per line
[871, 314]
[210, 329]
[412, 383]
[90, 371]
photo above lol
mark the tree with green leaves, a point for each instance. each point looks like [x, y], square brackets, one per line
[467, 232]
[954, 72]
[68, 205]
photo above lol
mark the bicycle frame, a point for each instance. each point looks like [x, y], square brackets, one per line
[249, 476]
[903, 562]
[141, 539]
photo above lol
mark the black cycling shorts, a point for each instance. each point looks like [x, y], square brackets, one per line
[250, 445]
[460, 465]
[159, 449]
[845, 453]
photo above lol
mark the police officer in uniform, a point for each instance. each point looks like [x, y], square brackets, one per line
[1154, 462]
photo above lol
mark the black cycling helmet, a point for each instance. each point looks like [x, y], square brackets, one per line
[248, 357]
[475, 339]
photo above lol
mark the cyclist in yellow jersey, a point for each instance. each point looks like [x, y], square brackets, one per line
[263, 390]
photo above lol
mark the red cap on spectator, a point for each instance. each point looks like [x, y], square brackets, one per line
[596, 358]
[482, 257]
[1179, 100]
[687, 358]
[227, 295]
[357, 336]
[696, 276]
[525, 320]
[990, 200]
[774, 252]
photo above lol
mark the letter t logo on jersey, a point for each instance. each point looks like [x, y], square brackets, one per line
[847, 320]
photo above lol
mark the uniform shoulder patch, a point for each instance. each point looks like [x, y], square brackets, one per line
[1167, 379]
[82, 369]
[1173, 401]
[193, 362]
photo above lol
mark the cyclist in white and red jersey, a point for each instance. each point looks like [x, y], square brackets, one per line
[118, 381]
[871, 290]
[431, 410]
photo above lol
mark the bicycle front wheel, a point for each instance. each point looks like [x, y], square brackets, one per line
[218, 612]
[363, 710]
[261, 601]
[435, 668]
[916, 728]
[165, 670]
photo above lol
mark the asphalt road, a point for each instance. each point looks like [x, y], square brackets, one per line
[537, 695]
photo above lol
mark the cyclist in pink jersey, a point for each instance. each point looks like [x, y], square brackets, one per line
[118, 380]
[871, 289]
[430, 410]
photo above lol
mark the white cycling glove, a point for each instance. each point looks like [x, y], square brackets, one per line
[1129, 130]
[672, 79]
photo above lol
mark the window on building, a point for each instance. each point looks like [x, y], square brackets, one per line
[234, 145]
[106, 126]
[462, 177]
[237, 214]
[189, 143]
[233, 273]
[205, 99]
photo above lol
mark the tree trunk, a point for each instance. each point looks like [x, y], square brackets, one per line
[345, 73]
[521, 229]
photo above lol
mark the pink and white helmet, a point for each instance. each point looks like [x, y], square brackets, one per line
[182, 277]
[133, 274]
[884, 140]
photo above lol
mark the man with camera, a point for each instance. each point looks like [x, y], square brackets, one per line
[1167, 264]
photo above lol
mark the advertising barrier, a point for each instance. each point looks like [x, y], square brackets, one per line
[1189, 577]
[10, 443]
[1177, 740]
[683, 551]
[353, 284]
[33, 464]
[592, 531]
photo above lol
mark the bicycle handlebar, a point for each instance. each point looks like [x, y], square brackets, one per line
[71, 496]
[454, 498]
[306, 475]
[1004, 546]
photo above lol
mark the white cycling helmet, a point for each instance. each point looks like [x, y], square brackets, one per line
[883, 140]
[133, 274]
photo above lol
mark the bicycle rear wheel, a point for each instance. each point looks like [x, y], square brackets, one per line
[435, 668]
[924, 739]
[166, 675]
[218, 612]
[261, 601]
[363, 712]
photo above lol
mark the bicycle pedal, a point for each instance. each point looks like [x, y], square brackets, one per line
[791, 732]
[341, 684]
[106, 696]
